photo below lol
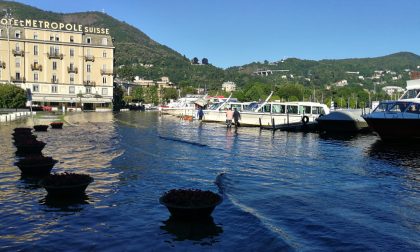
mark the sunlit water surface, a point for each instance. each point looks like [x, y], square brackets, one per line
[282, 191]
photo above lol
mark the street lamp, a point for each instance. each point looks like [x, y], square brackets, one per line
[8, 17]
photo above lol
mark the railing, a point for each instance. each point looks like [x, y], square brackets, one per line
[54, 80]
[107, 72]
[72, 70]
[20, 79]
[90, 58]
[18, 53]
[55, 55]
[2, 64]
[36, 67]
[89, 83]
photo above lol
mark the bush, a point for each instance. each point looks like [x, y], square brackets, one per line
[12, 96]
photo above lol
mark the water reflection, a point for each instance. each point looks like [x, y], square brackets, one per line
[68, 204]
[400, 154]
[203, 231]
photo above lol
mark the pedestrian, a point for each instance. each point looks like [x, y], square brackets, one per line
[229, 117]
[236, 117]
[200, 113]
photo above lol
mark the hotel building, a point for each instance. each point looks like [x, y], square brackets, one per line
[61, 65]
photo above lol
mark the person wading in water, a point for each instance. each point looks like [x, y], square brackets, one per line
[229, 117]
[236, 117]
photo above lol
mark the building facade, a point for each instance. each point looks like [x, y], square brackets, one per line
[62, 65]
[229, 86]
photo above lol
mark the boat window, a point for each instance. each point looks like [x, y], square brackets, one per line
[399, 107]
[267, 108]
[292, 109]
[214, 106]
[252, 106]
[414, 108]
[306, 109]
[278, 108]
[383, 107]
[237, 106]
[315, 110]
[412, 93]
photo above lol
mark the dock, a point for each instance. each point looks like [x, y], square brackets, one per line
[292, 127]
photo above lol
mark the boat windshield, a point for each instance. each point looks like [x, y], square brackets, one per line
[398, 107]
[215, 105]
[410, 94]
[252, 106]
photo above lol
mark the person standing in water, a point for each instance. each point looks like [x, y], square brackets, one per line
[200, 113]
[236, 117]
[229, 117]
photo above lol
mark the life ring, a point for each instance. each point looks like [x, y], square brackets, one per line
[305, 119]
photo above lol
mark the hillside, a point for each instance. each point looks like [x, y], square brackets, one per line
[134, 49]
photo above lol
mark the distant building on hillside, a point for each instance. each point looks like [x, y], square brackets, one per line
[229, 86]
[390, 90]
[341, 83]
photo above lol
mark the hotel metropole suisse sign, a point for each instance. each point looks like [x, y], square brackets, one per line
[42, 24]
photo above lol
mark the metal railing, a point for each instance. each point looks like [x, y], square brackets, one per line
[18, 53]
[55, 55]
[36, 67]
[72, 70]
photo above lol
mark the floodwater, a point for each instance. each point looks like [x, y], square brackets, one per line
[282, 191]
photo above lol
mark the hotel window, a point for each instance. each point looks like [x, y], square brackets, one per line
[88, 68]
[72, 90]
[36, 76]
[71, 52]
[54, 66]
[104, 80]
[35, 50]
[17, 75]
[54, 89]
[57, 38]
[71, 78]
[17, 34]
[104, 54]
[88, 90]
[57, 50]
[88, 52]
[104, 91]
[71, 39]
[17, 47]
[88, 78]
[104, 41]
[51, 37]
[35, 36]
[17, 63]
[35, 88]
[88, 40]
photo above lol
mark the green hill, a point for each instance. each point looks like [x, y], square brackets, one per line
[134, 49]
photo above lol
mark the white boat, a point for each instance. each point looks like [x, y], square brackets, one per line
[184, 106]
[269, 113]
[398, 120]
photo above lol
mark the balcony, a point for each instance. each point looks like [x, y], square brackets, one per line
[54, 80]
[55, 55]
[18, 53]
[107, 72]
[90, 58]
[2, 64]
[72, 70]
[89, 83]
[36, 67]
[18, 80]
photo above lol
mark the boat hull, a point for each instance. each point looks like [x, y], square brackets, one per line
[404, 129]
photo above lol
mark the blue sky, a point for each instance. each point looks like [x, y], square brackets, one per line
[237, 32]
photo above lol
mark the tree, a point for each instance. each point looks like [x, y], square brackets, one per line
[117, 101]
[12, 96]
[138, 94]
[169, 93]
[205, 61]
[195, 60]
[151, 95]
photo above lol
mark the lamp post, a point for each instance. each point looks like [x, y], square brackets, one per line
[8, 17]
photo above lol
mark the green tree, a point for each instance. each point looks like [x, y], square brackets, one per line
[118, 102]
[169, 93]
[12, 96]
[151, 95]
[138, 94]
